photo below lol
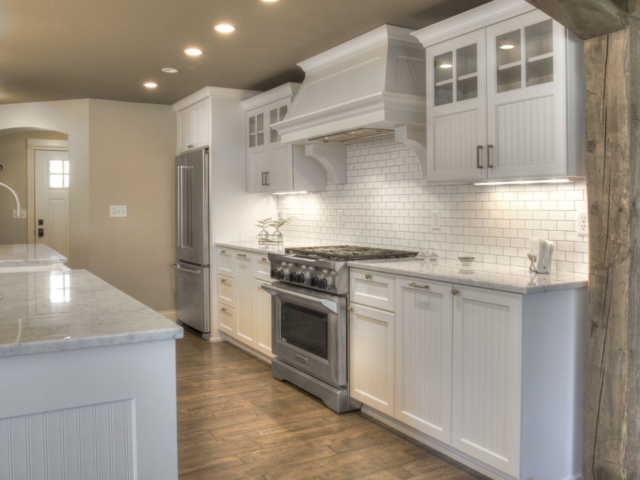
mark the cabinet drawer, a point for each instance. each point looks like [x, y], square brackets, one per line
[226, 291]
[372, 289]
[224, 260]
[262, 267]
[227, 319]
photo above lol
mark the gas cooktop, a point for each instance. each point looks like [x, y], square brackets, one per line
[346, 253]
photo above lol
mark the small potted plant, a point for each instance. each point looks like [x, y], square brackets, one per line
[280, 222]
[263, 224]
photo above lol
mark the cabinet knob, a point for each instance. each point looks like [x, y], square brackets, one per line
[222, 252]
[264, 259]
[189, 146]
[223, 310]
[367, 276]
[222, 280]
[454, 291]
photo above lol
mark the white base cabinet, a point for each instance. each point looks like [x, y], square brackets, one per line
[490, 377]
[244, 309]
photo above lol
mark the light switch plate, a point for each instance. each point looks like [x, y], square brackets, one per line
[118, 211]
[23, 213]
[582, 224]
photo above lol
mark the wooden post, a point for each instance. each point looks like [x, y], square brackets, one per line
[611, 433]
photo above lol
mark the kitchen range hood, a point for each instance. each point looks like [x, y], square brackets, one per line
[370, 86]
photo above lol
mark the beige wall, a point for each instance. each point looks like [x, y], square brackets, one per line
[13, 157]
[132, 148]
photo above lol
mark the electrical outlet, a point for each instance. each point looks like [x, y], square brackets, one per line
[23, 213]
[582, 225]
[341, 218]
[118, 211]
[435, 224]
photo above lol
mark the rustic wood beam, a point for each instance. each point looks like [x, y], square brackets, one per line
[587, 18]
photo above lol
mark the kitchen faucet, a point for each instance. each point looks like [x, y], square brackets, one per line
[18, 215]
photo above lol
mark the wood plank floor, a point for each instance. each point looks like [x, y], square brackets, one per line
[237, 422]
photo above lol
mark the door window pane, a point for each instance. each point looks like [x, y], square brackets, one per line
[467, 72]
[443, 78]
[252, 132]
[305, 329]
[260, 128]
[509, 56]
[58, 174]
[539, 51]
[283, 112]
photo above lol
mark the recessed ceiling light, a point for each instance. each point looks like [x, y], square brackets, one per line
[507, 46]
[446, 65]
[150, 84]
[193, 52]
[224, 28]
[170, 70]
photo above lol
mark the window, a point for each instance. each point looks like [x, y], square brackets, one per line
[59, 174]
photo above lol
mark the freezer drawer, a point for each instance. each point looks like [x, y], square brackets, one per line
[192, 296]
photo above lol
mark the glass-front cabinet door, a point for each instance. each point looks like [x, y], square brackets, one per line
[525, 79]
[456, 113]
[255, 125]
[276, 112]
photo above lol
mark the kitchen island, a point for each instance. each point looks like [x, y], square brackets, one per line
[30, 257]
[88, 381]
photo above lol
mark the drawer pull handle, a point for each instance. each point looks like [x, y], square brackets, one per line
[478, 149]
[222, 280]
[190, 146]
[224, 310]
[454, 291]
[222, 252]
[264, 259]
[242, 255]
[419, 286]
[367, 276]
[489, 162]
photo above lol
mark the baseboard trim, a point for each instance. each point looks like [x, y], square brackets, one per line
[245, 348]
[171, 315]
[402, 428]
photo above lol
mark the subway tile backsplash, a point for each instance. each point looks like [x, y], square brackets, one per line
[386, 203]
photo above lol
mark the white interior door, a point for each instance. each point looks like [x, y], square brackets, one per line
[52, 173]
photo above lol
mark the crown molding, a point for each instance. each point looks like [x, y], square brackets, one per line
[471, 20]
[270, 96]
[213, 92]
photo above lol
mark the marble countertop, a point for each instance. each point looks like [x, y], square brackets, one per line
[254, 247]
[66, 310]
[482, 275]
[29, 255]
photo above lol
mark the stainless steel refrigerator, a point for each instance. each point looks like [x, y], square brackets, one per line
[192, 240]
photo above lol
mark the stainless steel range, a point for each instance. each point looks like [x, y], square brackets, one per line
[310, 322]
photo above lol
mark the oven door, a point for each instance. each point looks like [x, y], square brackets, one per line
[309, 331]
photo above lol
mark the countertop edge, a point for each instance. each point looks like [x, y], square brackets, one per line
[487, 284]
[50, 346]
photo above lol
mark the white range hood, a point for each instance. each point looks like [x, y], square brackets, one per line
[369, 86]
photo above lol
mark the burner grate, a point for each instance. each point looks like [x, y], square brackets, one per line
[350, 252]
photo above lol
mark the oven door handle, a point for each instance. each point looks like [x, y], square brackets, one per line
[326, 303]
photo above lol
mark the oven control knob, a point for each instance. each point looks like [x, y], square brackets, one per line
[300, 277]
[319, 282]
[274, 273]
[280, 274]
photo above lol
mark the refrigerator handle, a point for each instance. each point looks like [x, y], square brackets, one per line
[180, 210]
[193, 272]
[189, 211]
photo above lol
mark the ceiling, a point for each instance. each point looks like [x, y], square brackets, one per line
[66, 49]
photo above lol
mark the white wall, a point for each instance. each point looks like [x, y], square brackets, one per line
[387, 203]
[70, 117]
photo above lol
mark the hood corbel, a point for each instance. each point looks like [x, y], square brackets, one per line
[333, 157]
[414, 137]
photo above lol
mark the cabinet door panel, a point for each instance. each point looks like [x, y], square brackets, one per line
[371, 357]
[456, 109]
[526, 111]
[245, 329]
[263, 318]
[225, 262]
[255, 172]
[279, 168]
[486, 376]
[424, 336]
[227, 320]
[226, 291]
[185, 129]
[201, 125]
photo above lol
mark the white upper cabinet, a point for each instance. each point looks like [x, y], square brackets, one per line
[273, 167]
[194, 124]
[506, 94]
